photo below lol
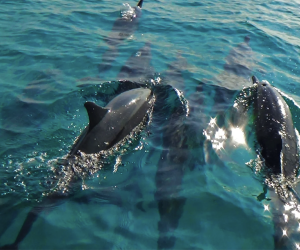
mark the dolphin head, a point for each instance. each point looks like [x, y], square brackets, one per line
[263, 84]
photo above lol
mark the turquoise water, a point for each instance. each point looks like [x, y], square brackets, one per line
[52, 55]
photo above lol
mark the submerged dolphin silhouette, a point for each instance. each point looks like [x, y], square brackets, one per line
[123, 28]
[275, 130]
[116, 120]
[137, 67]
[238, 66]
[179, 143]
[107, 126]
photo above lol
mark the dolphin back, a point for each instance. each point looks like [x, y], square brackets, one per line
[275, 130]
[140, 3]
[111, 124]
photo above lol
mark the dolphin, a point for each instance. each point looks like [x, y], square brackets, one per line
[109, 125]
[137, 66]
[277, 138]
[174, 73]
[275, 130]
[125, 26]
[122, 29]
[177, 155]
[237, 60]
[237, 69]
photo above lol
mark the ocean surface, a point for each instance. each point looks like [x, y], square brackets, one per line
[181, 183]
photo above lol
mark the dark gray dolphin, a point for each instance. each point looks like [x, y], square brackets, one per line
[275, 130]
[116, 120]
[278, 141]
[107, 126]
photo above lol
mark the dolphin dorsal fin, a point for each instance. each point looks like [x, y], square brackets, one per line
[95, 113]
[255, 79]
[140, 3]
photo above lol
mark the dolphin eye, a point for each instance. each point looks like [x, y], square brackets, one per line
[264, 83]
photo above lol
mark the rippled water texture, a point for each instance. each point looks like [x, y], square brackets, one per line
[181, 183]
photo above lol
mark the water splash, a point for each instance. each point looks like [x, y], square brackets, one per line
[128, 12]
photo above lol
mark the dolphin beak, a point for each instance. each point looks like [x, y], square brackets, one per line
[140, 3]
[255, 79]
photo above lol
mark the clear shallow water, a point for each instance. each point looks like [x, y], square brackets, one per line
[47, 48]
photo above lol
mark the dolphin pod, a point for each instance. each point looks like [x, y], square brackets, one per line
[107, 126]
[110, 124]
[275, 131]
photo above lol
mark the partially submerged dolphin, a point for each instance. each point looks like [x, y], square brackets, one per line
[275, 131]
[277, 138]
[174, 73]
[116, 120]
[137, 67]
[238, 66]
[179, 144]
[126, 25]
[107, 126]
[122, 29]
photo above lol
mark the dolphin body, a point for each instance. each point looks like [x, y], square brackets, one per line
[277, 138]
[275, 130]
[115, 121]
[237, 69]
[123, 28]
[137, 66]
[107, 126]
[169, 175]
[178, 154]
[136, 69]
